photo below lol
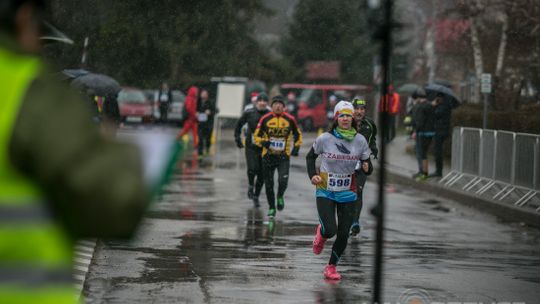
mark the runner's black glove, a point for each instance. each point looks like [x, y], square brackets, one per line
[265, 143]
[294, 151]
[239, 143]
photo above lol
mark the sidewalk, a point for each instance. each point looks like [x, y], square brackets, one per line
[401, 164]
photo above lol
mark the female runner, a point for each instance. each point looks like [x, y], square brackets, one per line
[341, 148]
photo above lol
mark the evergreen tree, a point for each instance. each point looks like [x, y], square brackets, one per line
[330, 30]
[143, 42]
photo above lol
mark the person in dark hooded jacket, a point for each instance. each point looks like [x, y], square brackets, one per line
[443, 113]
[190, 121]
[206, 111]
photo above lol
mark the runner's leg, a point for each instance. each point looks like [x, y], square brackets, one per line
[283, 175]
[185, 129]
[251, 159]
[259, 182]
[345, 214]
[327, 217]
[360, 183]
[194, 131]
[269, 166]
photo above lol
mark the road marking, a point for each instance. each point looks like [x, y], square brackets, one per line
[82, 258]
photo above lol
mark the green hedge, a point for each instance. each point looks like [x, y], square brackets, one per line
[525, 120]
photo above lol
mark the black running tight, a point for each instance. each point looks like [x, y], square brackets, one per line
[254, 169]
[327, 216]
[271, 163]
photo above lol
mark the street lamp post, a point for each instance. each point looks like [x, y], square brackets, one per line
[384, 34]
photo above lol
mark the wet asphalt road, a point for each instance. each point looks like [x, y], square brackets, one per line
[203, 242]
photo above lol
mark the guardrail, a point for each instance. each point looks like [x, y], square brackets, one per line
[502, 165]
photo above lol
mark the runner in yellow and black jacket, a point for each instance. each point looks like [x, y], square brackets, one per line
[273, 134]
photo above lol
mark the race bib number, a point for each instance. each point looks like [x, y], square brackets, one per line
[339, 182]
[277, 144]
[202, 117]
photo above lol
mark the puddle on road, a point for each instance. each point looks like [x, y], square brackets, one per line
[430, 202]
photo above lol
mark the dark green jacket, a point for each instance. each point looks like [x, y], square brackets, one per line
[368, 129]
[94, 186]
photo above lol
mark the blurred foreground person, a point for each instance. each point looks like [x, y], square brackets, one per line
[341, 148]
[59, 179]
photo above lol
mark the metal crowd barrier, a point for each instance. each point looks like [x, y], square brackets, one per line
[501, 165]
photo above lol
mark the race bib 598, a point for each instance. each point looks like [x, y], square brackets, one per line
[339, 182]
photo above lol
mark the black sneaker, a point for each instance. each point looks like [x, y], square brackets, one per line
[250, 192]
[355, 229]
[280, 203]
[256, 203]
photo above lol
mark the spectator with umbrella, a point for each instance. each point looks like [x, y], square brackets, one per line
[445, 100]
[107, 88]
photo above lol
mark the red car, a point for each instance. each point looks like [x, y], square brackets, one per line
[134, 106]
[313, 101]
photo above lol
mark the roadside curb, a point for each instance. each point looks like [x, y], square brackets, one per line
[504, 211]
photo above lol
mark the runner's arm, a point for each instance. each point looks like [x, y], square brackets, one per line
[370, 167]
[297, 134]
[311, 157]
[260, 134]
[238, 129]
[373, 142]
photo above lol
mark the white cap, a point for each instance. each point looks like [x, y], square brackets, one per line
[343, 107]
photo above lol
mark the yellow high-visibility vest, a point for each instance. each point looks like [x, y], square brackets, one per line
[35, 252]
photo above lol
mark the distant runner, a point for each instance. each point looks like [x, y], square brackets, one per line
[273, 134]
[368, 129]
[341, 148]
[251, 117]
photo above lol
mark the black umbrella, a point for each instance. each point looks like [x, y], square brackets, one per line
[70, 74]
[102, 85]
[52, 34]
[433, 88]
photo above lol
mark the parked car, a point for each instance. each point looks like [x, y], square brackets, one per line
[134, 106]
[314, 101]
[177, 106]
[152, 96]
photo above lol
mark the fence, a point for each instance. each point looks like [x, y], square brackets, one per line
[502, 165]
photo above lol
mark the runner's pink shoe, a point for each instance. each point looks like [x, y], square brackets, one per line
[318, 242]
[331, 273]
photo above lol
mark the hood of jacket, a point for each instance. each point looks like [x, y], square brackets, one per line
[193, 91]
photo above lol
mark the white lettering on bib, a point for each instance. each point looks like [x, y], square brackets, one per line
[339, 182]
[277, 144]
